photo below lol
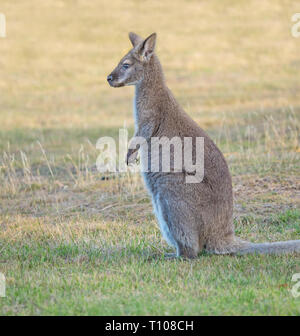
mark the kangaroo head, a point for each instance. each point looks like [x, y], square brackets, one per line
[133, 66]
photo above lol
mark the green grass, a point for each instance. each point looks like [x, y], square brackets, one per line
[73, 243]
[54, 274]
[90, 265]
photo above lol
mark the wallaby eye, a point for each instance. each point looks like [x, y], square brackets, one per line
[125, 66]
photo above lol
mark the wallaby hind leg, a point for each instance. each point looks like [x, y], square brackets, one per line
[178, 230]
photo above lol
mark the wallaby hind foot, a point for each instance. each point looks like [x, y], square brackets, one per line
[170, 256]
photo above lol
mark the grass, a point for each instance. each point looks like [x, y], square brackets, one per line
[72, 242]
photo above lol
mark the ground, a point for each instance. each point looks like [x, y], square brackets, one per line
[74, 242]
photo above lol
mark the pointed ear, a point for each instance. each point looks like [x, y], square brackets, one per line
[135, 39]
[146, 49]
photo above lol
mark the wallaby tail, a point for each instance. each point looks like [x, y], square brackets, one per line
[280, 247]
[237, 246]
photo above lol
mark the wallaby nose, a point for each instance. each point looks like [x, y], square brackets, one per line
[109, 78]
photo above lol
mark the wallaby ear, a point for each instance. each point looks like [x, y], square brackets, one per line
[146, 48]
[134, 39]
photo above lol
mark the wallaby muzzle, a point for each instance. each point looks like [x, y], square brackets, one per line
[113, 80]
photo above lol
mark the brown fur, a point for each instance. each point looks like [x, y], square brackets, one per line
[192, 216]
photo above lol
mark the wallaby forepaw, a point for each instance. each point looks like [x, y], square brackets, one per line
[131, 157]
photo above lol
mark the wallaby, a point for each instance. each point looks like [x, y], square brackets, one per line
[192, 216]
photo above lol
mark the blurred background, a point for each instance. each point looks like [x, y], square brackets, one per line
[218, 56]
[233, 66]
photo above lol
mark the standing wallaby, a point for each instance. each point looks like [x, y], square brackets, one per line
[192, 216]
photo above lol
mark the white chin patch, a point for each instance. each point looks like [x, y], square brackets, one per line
[131, 83]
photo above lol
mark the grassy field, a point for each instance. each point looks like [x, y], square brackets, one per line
[73, 243]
